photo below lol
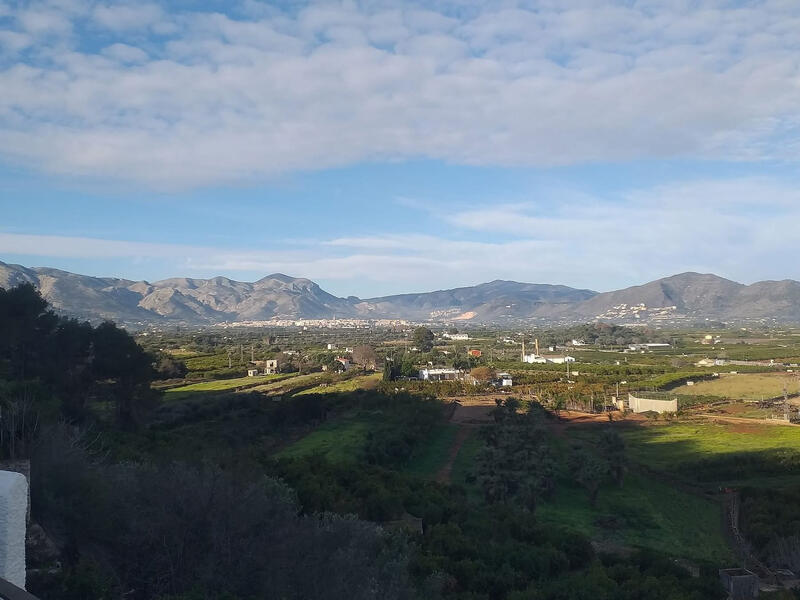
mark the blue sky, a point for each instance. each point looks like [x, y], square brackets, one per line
[381, 147]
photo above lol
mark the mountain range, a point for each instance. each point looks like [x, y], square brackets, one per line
[217, 300]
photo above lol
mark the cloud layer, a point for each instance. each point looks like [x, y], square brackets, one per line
[136, 92]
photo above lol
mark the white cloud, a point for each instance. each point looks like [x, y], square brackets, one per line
[222, 99]
[125, 53]
[121, 17]
[734, 228]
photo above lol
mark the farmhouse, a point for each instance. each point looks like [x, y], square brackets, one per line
[271, 367]
[636, 347]
[441, 374]
[456, 336]
[556, 360]
[252, 372]
[533, 358]
[559, 360]
[504, 380]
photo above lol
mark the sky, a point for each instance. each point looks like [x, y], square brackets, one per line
[382, 147]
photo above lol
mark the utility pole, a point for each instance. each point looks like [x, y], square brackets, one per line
[230, 362]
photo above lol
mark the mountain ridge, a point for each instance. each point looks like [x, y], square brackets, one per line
[688, 295]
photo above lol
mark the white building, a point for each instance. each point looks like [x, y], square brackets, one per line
[559, 360]
[441, 374]
[533, 359]
[556, 360]
[636, 347]
[504, 379]
[252, 372]
[270, 367]
[456, 336]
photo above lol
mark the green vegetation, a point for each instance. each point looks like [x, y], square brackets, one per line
[719, 453]
[347, 385]
[221, 385]
[339, 441]
[644, 513]
[534, 509]
[435, 450]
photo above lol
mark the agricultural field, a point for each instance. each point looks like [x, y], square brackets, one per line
[744, 386]
[362, 382]
[340, 440]
[642, 513]
[221, 385]
[715, 454]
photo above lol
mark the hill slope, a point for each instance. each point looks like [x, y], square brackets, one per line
[207, 301]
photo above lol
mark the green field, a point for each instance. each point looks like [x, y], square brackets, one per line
[745, 386]
[221, 385]
[463, 466]
[339, 440]
[665, 446]
[349, 385]
[434, 453]
[643, 513]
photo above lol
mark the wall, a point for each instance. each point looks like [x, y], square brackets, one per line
[638, 405]
[13, 511]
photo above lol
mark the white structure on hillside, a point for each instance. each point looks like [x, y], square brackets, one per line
[252, 372]
[639, 405]
[504, 379]
[13, 524]
[441, 374]
[271, 366]
[559, 360]
[456, 336]
[533, 359]
[556, 360]
[636, 347]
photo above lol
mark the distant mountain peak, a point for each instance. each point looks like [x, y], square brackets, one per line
[687, 295]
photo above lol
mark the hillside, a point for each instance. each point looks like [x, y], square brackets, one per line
[685, 296]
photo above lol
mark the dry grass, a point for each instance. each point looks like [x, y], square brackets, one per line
[744, 386]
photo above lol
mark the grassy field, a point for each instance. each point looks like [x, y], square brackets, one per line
[745, 386]
[643, 513]
[221, 385]
[434, 453]
[296, 381]
[339, 440]
[463, 466]
[363, 382]
[666, 447]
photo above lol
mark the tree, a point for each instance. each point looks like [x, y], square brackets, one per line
[365, 356]
[170, 368]
[483, 374]
[120, 361]
[612, 449]
[388, 372]
[589, 471]
[423, 339]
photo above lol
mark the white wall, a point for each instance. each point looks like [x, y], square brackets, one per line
[638, 405]
[13, 512]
